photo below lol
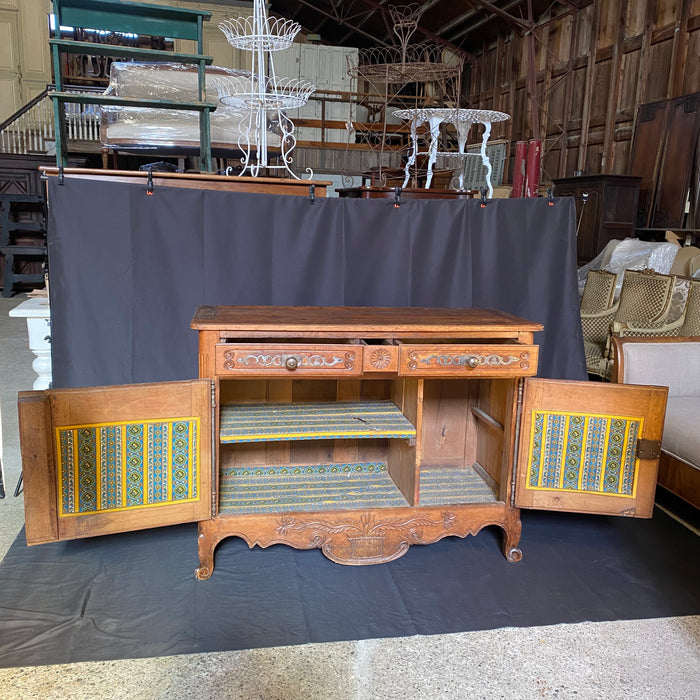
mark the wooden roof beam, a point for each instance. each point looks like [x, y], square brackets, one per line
[480, 22]
[425, 32]
[337, 6]
[502, 13]
[569, 4]
[343, 22]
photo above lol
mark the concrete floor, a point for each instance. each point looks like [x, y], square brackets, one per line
[636, 659]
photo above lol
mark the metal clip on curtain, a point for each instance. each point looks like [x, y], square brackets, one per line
[397, 197]
[550, 196]
[483, 191]
[61, 180]
[149, 185]
[312, 194]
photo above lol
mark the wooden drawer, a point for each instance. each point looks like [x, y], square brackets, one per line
[266, 359]
[477, 360]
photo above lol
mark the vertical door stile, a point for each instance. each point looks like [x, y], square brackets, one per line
[214, 451]
[516, 440]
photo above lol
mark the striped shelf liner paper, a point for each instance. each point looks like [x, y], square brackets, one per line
[307, 488]
[313, 421]
[340, 486]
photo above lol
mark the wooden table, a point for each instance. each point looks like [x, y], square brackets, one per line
[373, 192]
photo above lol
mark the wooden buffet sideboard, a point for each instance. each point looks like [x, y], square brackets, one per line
[360, 431]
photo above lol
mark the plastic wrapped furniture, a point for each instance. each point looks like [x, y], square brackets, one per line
[136, 128]
[645, 296]
[631, 254]
[675, 363]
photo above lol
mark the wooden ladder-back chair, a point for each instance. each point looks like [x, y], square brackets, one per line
[645, 296]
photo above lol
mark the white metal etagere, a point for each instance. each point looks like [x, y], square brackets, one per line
[263, 97]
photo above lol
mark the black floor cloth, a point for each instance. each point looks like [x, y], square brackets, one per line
[135, 595]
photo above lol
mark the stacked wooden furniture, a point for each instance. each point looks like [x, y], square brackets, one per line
[136, 18]
[360, 431]
[22, 241]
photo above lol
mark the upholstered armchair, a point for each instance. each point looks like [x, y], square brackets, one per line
[599, 291]
[683, 318]
[596, 302]
[645, 296]
[675, 363]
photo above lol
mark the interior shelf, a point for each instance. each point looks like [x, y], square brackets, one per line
[453, 485]
[268, 489]
[313, 421]
[305, 488]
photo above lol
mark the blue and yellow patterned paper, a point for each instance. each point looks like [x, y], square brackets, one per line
[120, 466]
[589, 453]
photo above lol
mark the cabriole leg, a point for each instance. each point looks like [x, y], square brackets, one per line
[512, 529]
[207, 540]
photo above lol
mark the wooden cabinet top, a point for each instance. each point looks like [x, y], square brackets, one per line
[593, 179]
[348, 321]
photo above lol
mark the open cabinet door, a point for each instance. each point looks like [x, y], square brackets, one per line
[589, 447]
[112, 459]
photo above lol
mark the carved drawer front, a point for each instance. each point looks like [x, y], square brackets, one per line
[288, 359]
[479, 360]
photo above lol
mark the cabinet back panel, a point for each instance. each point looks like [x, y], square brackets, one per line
[447, 421]
[281, 390]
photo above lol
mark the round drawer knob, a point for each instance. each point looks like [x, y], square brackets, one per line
[292, 363]
[473, 362]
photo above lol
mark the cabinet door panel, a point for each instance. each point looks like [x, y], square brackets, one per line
[583, 447]
[114, 459]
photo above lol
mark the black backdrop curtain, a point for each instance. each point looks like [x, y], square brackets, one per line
[128, 270]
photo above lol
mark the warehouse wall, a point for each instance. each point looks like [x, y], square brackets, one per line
[25, 62]
[593, 69]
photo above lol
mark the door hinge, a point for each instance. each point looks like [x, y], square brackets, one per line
[648, 449]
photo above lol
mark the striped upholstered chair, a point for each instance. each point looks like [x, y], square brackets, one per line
[645, 296]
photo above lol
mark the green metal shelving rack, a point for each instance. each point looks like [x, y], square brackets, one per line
[136, 18]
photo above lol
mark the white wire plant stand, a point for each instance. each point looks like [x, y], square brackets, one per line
[263, 97]
[405, 76]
